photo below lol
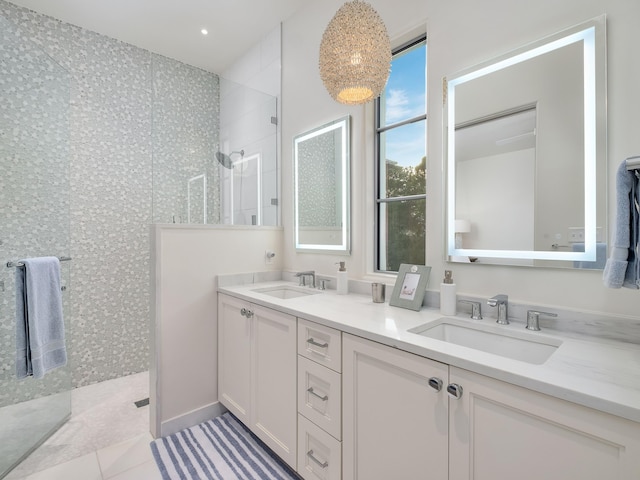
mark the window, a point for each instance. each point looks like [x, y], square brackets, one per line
[401, 161]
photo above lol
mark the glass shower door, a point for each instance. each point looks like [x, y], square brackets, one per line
[34, 221]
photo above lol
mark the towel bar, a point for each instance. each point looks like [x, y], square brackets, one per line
[20, 264]
[633, 163]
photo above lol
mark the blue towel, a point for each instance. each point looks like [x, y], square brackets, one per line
[622, 268]
[40, 345]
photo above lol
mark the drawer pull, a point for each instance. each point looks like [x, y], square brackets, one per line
[324, 398]
[324, 464]
[313, 342]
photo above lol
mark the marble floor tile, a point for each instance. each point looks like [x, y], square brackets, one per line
[23, 422]
[146, 471]
[102, 415]
[124, 456]
[85, 468]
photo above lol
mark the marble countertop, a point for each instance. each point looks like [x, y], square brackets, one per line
[600, 374]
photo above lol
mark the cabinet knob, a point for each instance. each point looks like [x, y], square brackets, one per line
[245, 312]
[454, 390]
[435, 383]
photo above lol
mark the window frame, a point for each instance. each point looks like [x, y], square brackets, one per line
[378, 131]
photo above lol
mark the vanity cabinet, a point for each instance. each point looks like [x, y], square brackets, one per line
[500, 431]
[257, 371]
[396, 424]
[334, 405]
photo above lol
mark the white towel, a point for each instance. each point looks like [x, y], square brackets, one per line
[40, 342]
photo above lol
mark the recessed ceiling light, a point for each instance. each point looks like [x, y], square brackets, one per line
[204, 31]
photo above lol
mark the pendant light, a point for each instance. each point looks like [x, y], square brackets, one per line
[355, 54]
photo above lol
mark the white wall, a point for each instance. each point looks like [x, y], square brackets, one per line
[460, 34]
[259, 67]
[184, 366]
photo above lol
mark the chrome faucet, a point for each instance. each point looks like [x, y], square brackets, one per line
[502, 302]
[303, 275]
[476, 309]
[533, 319]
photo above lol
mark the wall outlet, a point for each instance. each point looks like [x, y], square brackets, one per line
[576, 234]
[268, 257]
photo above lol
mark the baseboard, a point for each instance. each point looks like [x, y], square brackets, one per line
[191, 418]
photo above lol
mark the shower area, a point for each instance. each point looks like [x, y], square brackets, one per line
[34, 221]
[226, 178]
[98, 140]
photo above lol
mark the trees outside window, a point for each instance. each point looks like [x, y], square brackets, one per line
[401, 161]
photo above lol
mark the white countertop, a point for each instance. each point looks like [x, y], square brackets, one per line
[604, 375]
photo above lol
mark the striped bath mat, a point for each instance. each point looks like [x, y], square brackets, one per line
[220, 449]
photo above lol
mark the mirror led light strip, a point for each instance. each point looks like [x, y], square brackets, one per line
[342, 126]
[587, 36]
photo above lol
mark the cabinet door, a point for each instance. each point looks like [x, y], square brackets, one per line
[234, 357]
[501, 431]
[274, 407]
[395, 426]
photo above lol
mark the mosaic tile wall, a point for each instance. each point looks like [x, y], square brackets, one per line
[318, 180]
[34, 188]
[187, 116]
[117, 91]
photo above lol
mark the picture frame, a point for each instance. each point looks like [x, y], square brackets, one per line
[410, 286]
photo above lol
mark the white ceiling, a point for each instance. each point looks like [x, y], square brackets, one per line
[172, 27]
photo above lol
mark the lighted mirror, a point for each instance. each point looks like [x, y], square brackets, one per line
[321, 188]
[526, 155]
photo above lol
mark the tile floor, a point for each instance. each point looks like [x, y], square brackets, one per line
[107, 437]
[24, 422]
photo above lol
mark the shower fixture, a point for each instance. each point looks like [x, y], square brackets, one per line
[225, 160]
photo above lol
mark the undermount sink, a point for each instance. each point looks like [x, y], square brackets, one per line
[491, 339]
[286, 291]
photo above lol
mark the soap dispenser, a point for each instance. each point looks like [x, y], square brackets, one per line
[448, 294]
[342, 281]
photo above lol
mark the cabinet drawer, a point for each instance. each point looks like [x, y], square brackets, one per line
[320, 396]
[320, 344]
[319, 454]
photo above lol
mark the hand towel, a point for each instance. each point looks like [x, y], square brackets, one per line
[40, 341]
[621, 269]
